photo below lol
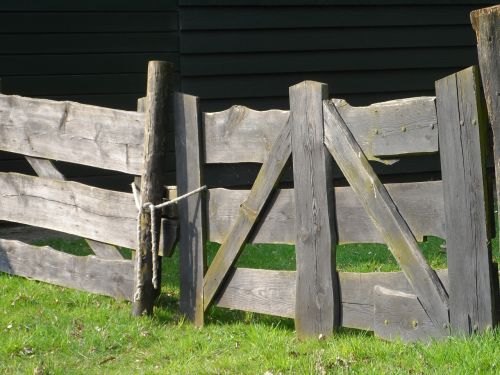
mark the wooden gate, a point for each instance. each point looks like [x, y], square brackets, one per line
[316, 216]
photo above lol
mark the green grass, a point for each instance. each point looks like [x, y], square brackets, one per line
[62, 331]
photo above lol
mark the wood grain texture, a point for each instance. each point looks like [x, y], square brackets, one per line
[240, 134]
[250, 210]
[317, 305]
[486, 24]
[420, 204]
[463, 144]
[102, 276]
[273, 292]
[399, 315]
[393, 128]
[70, 207]
[192, 252]
[45, 168]
[77, 133]
[381, 208]
[158, 116]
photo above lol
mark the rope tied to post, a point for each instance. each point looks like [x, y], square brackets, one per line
[144, 207]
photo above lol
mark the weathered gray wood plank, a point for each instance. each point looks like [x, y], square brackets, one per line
[273, 292]
[70, 207]
[192, 253]
[158, 116]
[398, 127]
[317, 305]
[420, 204]
[380, 206]
[261, 291]
[113, 278]
[486, 24]
[463, 145]
[240, 134]
[250, 210]
[83, 134]
[45, 168]
[400, 315]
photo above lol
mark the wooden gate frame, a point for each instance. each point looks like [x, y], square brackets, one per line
[323, 299]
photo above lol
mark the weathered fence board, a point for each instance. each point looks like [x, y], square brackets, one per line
[113, 278]
[393, 128]
[380, 206]
[462, 144]
[400, 315]
[317, 305]
[45, 168]
[192, 254]
[486, 24]
[250, 210]
[396, 127]
[102, 215]
[420, 204]
[273, 292]
[72, 132]
[240, 134]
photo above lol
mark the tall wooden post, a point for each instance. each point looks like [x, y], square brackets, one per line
[486, 24]
[158, 114]
[462, 145]
[317, 304]
[192, 254]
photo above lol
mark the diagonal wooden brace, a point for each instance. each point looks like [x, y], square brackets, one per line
[384, 213]
[262, 188]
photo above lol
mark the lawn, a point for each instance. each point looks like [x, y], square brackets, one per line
[46, 329]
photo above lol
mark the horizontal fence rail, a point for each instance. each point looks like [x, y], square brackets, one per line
[72, 132]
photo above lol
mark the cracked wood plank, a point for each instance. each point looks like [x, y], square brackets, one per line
[317, 305]
[70, 207]
[72, 132]
[381, 208]
[393, 128]
[420, 204]
[45, 168]
[250, 210]
[113, 278]
[463, 144]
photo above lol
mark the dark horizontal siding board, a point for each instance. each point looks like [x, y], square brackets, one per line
[325, 39]
[87, 5]
[340, 83]
[82, 63]
[271, 3]
[283, 102]
[87, 42]
[231, 18]
[77, 22]
[314, 61]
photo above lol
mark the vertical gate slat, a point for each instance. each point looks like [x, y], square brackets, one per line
[192, 252]
[462, 143]
[317, 292]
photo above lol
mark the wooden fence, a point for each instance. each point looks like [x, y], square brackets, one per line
[417, 302]
[129, 142]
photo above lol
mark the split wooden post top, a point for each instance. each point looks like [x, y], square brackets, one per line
[158, 115]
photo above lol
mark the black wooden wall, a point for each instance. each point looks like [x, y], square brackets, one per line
[229, 51]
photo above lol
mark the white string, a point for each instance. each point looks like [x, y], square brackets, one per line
[154, 235]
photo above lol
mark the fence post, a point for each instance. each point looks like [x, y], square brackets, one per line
[317, 304]
[462, 144]
[486, 24]
[192, 254]
[158, 112]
